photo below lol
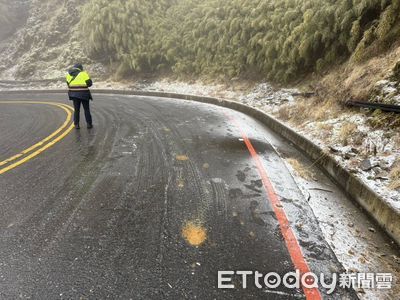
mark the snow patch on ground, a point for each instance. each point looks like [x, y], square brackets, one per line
[375, 145]
[386, 91]
[264, 94]
[184, 88]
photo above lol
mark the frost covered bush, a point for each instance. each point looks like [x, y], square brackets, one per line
[396, 72]
[280, 40]
[125, 32]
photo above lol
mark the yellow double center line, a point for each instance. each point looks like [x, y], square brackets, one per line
[33, 151]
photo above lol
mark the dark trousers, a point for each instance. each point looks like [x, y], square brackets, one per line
[86, 108]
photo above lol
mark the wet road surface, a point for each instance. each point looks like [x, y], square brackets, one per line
[150, 204]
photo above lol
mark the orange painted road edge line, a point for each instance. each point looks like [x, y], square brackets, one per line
[290, 239]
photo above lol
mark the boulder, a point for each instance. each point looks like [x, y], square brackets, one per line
[368, 164]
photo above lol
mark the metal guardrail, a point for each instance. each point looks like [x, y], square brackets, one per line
[381, 106]
[371, 105]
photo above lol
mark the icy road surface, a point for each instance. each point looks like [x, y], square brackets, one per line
[152, 203]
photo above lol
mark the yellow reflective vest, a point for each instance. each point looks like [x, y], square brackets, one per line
[78, 84]
[79, 81]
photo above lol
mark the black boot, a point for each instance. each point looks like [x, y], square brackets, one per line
[90, 126]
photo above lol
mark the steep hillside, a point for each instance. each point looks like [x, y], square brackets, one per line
[338, 48]
[47, 43]
[281, 41]
[13, 15]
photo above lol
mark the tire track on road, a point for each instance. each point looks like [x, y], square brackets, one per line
[36, 149]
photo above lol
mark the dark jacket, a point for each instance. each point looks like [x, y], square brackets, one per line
[81, 92]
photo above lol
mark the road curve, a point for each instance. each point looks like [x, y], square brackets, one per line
[152, 203]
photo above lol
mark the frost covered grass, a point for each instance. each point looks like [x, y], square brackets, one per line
[362, 145]
[395, 184]
[346, 132]
[300, 169]
[308, 110]
[381, 119]
[395, 176]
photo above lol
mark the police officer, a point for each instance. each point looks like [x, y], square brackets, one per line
[79, 82]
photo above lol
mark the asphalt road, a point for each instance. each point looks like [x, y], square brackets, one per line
[150, 204]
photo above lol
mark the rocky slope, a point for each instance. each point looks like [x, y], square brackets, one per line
[13, 15]
[45, 42]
